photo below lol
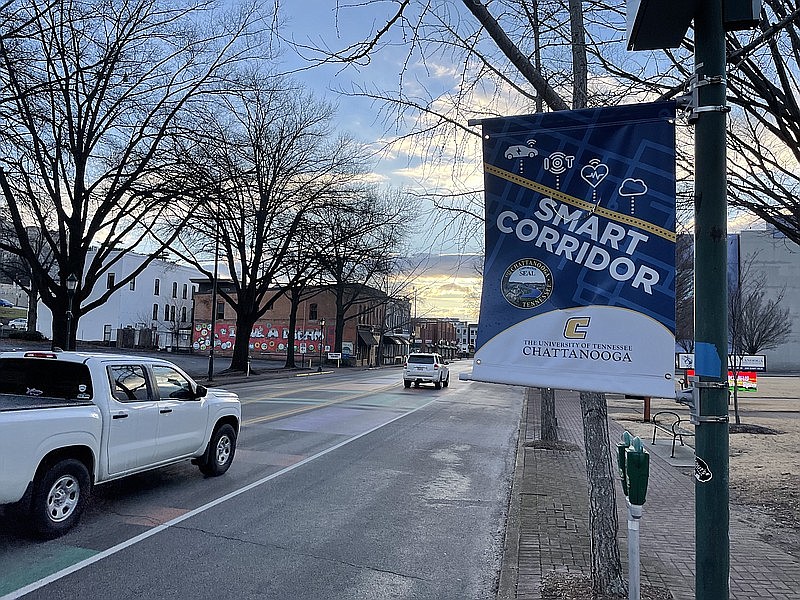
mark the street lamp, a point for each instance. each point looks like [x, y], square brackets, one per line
[214, 299]
[321, 341]
[72, 283]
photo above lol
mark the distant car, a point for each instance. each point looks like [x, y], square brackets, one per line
[520, 151]
[18, 323]
[5, 303]
[423, 367]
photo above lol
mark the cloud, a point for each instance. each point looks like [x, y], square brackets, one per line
[633, 187]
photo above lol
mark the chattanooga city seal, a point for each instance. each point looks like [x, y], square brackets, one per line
[527, 283]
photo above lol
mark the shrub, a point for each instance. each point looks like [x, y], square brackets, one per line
[30, 336]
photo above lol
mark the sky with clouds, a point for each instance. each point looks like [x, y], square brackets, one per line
[447, 284]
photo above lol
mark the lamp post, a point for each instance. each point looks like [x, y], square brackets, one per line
[213, 334]
[321, 342]
[72, 283]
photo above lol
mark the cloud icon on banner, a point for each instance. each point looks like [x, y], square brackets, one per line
[633, 187]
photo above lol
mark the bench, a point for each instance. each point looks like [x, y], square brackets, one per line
[670, 422]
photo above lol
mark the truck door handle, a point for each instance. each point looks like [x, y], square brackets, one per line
[120, 416]
[164, 411]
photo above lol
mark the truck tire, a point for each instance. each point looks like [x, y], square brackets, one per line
[59, 496]
[220, 451]
[446, 382]
[406, 383]
[437, 385]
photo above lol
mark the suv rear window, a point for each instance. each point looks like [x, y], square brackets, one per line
[425, 359]
[45, 377]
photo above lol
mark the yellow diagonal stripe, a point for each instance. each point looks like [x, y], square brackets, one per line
[582, 204]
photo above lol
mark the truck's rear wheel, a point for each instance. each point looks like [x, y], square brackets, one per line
[59, 496]
[220, 451]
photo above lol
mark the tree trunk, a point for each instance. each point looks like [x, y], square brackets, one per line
[295, 303]
[339, 326]
[548, 412]
[33, 307]
[241, 347]
[605, 557]
[61, 338]
[737, 420]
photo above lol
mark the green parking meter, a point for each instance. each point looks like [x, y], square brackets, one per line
[637, 471]
[621, 447]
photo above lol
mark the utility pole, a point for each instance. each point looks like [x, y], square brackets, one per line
[654, 24]
[712, 515]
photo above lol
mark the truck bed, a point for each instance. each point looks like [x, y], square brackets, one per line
[9, 402]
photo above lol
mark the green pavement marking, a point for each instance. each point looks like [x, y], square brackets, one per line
[286, 401]
[27, 565]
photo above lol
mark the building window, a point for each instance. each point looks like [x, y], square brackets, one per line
[183, 315]
[312, 312]
[172, 313]
[110, 281]
[166, 312]
[221, 309]
[155, 312]
[157, 287]
[185, 291]
[174, 289]
[133, 284]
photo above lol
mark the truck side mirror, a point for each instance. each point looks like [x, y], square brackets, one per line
[200, 391]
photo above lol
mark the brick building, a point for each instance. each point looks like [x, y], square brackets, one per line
[375, 328]
[435, 335]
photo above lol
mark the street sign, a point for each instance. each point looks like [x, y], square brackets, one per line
[334, 355]
[755, 362]
[303, 348]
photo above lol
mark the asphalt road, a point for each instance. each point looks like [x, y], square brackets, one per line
[344, 486]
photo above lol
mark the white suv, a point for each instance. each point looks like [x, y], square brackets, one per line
[426, 368]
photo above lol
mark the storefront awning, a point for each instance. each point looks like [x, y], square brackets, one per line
[368, 338]
[390, 339]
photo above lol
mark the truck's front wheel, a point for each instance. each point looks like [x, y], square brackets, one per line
[59, 497]
[220, 451]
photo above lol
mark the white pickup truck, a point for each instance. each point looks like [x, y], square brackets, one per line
[71, 420]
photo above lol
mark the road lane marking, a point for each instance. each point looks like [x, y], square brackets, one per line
[158, 529]
[290, 412]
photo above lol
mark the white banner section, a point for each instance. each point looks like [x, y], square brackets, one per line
[590, 348]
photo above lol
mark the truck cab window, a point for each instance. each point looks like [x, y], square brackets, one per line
[171, 383]
[129, 383]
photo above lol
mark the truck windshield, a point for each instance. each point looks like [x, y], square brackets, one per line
[45, 377]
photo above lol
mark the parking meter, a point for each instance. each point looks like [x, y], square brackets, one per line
[637, 471]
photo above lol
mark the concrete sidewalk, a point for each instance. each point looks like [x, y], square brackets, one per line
[548, 521]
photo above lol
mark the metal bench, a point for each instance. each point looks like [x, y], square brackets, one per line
[670, 422]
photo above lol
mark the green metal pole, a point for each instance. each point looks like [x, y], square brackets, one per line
[712, 561]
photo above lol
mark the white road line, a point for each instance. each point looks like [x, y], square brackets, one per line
[150, 533]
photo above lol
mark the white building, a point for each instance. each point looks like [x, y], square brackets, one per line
[159, 300]
[466, 334]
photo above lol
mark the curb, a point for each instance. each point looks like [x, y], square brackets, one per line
[509, 565]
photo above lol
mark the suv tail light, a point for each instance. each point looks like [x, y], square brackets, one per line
[435, 366]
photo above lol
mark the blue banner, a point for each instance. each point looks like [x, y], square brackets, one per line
[579, 272]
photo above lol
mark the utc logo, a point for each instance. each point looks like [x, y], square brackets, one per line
[576, 327]
[527, 283]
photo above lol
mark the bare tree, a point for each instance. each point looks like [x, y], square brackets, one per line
[268, 161]
[755, 321]
[93, 97]
[684, 291]
[367, 242]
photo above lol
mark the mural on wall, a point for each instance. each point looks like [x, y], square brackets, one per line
[265, 337]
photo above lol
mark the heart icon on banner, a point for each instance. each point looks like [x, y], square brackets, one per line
[594, 172]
